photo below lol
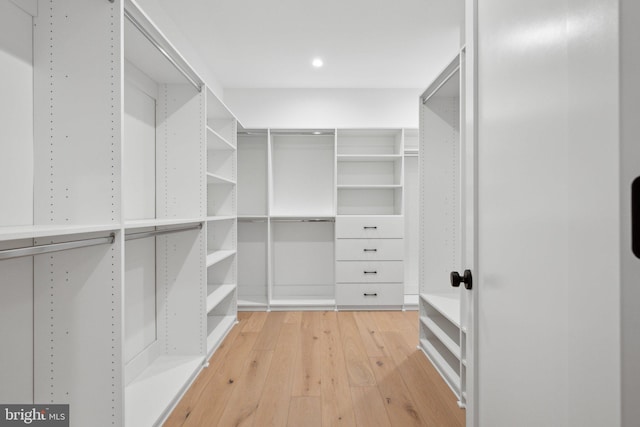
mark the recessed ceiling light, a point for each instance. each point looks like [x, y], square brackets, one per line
[317, 62]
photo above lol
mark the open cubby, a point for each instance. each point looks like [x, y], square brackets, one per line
[252, 173]
[369, 142]
[303, 263]
[253, 244]
[303, 174]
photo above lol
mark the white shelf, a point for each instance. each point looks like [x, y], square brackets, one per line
[215, 141]
[220, 218]
[217, 256]
[451, 377]
[305, 217]
[448, 304]
[246, 303]
[142, 223]
[368, 157]
[217, 179]
[369, 187]
[35, 231]
[217, 293]
[149, 397]
[220, 326]
[306, 302]
[442, 336]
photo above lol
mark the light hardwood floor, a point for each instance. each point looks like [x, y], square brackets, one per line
[306, 369]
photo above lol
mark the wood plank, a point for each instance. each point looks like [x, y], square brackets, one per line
[192, 396]
[273, 407]
[356, 358]
[305, 411]
[437, 403]
[388, 322]
[307, 372]
[217, 392]
[242, 406]
[370, 334]
[270, 331]
[369, 407]
[255, 322]
[401, 408]
[244, 315]
[294, 317]
[337, 406]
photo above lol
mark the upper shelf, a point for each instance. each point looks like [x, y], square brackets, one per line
[35, 231]
[215, 141]
[367, 157]
[148, 50]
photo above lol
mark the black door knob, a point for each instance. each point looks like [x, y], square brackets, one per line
[466, 278]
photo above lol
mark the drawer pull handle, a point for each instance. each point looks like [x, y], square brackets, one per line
[370, 295]
[370, 272]
[370, 250]
[370, 227]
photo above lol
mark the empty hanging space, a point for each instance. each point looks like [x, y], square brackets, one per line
[369, 172]
[163, 320]
[162, 157]
[253, 228]
[302, 264]
[56, 331]
[302, 164]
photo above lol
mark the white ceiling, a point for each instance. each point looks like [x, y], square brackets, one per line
[364, 43]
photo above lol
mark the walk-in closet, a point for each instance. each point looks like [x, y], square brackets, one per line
[299, 213]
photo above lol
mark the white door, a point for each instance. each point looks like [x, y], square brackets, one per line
[548, 351]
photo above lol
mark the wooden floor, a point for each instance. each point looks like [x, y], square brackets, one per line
[307, 369]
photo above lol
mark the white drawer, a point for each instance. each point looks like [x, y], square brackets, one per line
[363, 227]
[369, 271]
[370, 249]
[369, 294]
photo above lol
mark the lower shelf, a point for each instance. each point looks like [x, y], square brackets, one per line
[217, 329]
[303, 303]
[451, 376]
[448, 304]
[150, 397]
[217, 293]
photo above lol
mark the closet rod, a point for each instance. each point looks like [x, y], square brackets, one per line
[303, 220]
[161, 49]
[145, 234]
[55, 247]
[252, 220]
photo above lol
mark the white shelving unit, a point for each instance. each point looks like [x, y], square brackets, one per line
[442, 337]
[370, 230]
[222, 226]
[104, 301]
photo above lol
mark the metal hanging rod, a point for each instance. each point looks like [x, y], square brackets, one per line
[252, 220]
[145, 234]
[303, 220]
[157, 45]
[305, 132]
[55, 247]
[443, 78]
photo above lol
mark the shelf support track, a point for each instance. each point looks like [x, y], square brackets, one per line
[55, 247]
[145, 234]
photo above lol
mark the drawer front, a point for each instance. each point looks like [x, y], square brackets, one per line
[369, 272]
[369, 294]
[369, 227]
[370, 249]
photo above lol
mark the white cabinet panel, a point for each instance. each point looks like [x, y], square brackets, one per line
[369, 294]
[369, 249]
[369, 227]
[369, 271]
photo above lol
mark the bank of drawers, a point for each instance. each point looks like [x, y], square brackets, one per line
[369, 261]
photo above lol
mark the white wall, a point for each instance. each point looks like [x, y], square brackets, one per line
[325, 108]
[182, 44]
